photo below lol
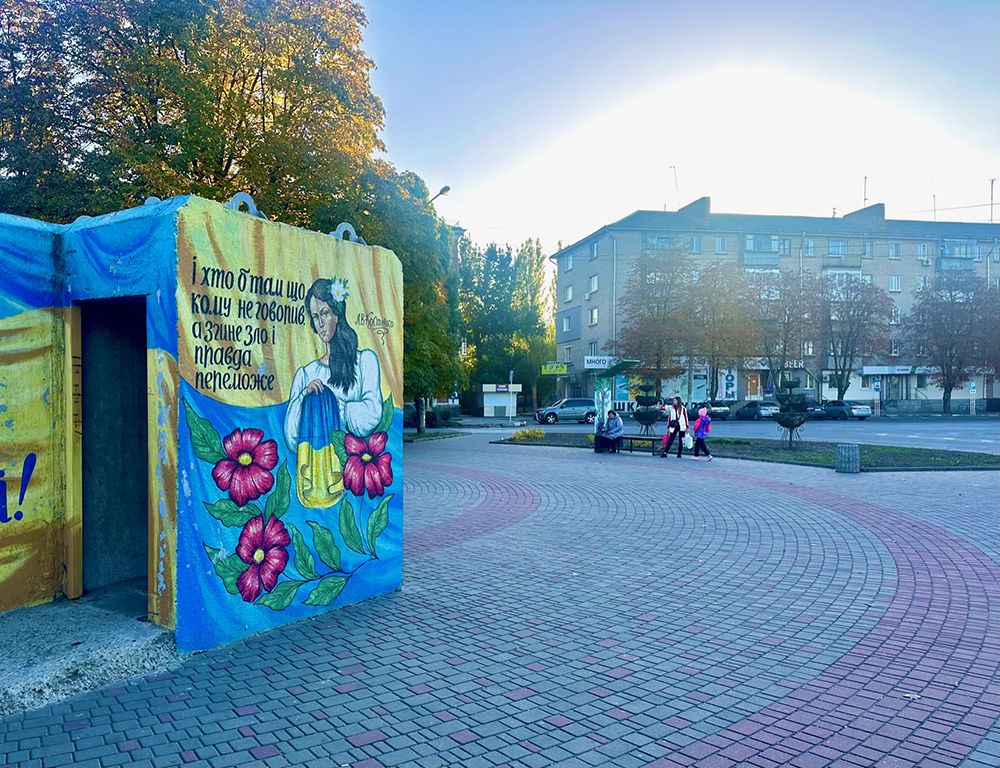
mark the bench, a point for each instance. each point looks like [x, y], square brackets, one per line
[655, 442]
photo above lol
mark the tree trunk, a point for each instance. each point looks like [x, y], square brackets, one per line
[534, 396]
[421, 405]
[946, 400]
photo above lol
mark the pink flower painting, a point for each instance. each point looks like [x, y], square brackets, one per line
[367, 467]
[246, 473]
[262, 547]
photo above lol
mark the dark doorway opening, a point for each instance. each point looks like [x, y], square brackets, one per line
[114, 453]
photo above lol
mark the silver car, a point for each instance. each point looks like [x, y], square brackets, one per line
[571, 409]
[843, 410]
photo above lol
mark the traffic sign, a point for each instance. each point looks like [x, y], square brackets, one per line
[878, 385]
[972, 386]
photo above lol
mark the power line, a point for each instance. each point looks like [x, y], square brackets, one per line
[956, 208]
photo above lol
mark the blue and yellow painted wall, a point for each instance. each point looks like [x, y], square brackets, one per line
[274, 392]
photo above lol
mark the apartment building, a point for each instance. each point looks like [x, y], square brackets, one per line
[899, 255]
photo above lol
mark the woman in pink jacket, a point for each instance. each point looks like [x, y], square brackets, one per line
[677, 416]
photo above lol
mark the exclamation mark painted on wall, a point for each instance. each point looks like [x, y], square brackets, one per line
[27, 468]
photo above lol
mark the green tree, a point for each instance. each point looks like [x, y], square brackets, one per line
[780, 305]
[392, 209]
[38, 142]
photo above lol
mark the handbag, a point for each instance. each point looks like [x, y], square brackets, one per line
[674, 424]
[688, 441]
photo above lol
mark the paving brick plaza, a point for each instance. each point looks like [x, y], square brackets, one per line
[566, 608]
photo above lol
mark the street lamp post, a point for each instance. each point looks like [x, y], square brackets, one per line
[443, 191]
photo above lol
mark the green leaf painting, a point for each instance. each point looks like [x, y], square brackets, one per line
[378, 521]
[227, 568]
[337, 441]
[231, 515]
[326, 547]
[385, 423]
[205, 440]
[279, 598]
[326, 591]
[280, 498]
[305, 563]
[349, 528]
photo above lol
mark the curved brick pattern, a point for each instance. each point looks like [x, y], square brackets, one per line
[505, 503]
[565, 608]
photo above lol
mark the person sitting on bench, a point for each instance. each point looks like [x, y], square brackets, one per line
[609, 436]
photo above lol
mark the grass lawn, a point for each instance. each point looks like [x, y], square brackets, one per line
[434, 434]
[874, 458]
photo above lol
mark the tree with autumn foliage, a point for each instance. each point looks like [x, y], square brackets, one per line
[952, 329]
[657, 313]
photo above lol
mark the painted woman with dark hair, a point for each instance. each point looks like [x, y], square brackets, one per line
[340, 391]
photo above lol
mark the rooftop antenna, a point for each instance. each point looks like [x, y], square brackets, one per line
[934, 198]
[866, 193]
[677, 189]
[834, 213]
[991, 200]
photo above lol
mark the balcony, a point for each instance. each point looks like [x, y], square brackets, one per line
[949, 263]
[758, 259]
[841, 262]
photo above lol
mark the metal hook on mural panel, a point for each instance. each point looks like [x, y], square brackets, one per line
[351, 234]
[242, 198]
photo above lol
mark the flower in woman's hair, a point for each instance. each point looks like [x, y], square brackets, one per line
[262, 547]
[367, 467]
[339, 291]
[246, 472]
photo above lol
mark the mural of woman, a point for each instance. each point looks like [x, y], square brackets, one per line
[341, 391]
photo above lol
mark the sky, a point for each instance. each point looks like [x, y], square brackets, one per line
[550, 119]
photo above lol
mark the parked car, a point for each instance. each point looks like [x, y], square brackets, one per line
[814, 409]
[716, 410]
[580, 409]
[758, 410]
[843, 410]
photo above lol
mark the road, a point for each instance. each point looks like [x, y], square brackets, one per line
[956, 433]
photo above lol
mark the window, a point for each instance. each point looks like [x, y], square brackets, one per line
[593, 283]
[810, 382]
[807, 349]
[762, 243]
[567, 323]
[894, 316]
[866, 382]
[784, 247]
[894, 283]
[977, 255]
[869, 250]
[569, 293]
[568, 262]
[593, 250]
[568, 354]
[775, 243]
[893, 250]
[838, 247]
[922, 282]
[921, 381]
[894, 348]
[866, 278]
[921, 250]
[592, 349]
[593, 316]
[808, 248]
[720, 245]
[695, 244]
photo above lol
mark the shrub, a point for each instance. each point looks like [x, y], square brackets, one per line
[528, 434]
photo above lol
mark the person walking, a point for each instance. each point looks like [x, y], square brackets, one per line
[677, 420]
[701, 427]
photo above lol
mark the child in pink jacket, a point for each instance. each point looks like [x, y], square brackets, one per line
[701, 427]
